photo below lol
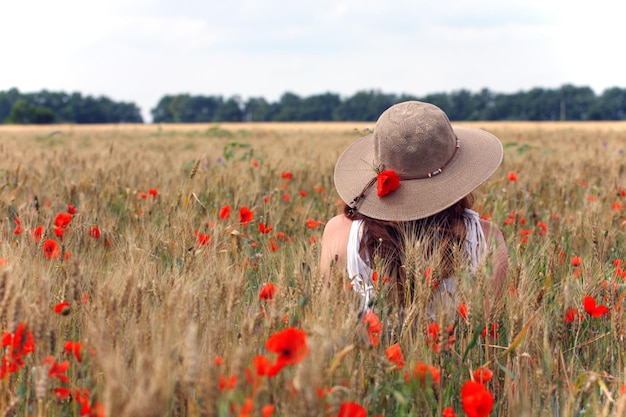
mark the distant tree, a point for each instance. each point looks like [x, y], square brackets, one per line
[163, 112]
[484, 101]
[199, 109]
[257, 109]
[364, 106]
[540, 104]
[611, 105]
[172, 109]
[319, 107]
[564, 103]
[576, 102]
[7, 101]
[462, 105]
[289, 108]
[54, 107]
[506, 107]
[24, 113]
[229, 110]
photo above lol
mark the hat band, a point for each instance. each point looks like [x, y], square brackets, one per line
[438, 170]
[352, 206]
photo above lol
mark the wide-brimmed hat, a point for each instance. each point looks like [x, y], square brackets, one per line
[437, 164]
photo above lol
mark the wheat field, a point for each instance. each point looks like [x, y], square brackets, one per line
[134, 263]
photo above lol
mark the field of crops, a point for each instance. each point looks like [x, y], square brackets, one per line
[135, 262]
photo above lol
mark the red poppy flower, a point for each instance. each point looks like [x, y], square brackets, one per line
[245, 215]
[227, 383]
[62, 308]
[94, 232]
[57, 370]
[83, 397]
[463, 310]
[388, 181]
[267, 292]
[492, 331]
[373, 327]
[350, 409]
[477, 401]
[290, 345]
[75, 348]
[448, 412]
[543, 228]
[482, 375]
[246, 408]
[423, 371]
[62, 393]
[432, 336]
[512, 176]
[286, 175]
[51, 249]
[58, 232]
[19, 345]
[286, 197]
[225, 212]
[203, 239]
[576, 261]
[71, 209]
[303, 193]
[394, 354]
[153, 192]
[311, 224]
[37, 233]
[262, 365]
[571, 315]
[63, 220]
[18, 226]
[589, 303]
[264, 229]
[267, 411]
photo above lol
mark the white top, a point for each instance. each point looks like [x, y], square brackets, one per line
[360, 272]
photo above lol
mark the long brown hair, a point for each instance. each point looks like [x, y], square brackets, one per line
[441, 235]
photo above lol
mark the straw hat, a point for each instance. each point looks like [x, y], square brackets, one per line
[436, 164]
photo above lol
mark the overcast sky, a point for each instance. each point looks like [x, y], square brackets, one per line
[140, 50]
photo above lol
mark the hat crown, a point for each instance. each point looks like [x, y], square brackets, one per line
[414, 139]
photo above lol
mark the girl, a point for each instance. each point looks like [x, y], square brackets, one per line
[407, 187]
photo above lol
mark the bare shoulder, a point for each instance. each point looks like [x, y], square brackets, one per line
[335, 242]
[338, 224]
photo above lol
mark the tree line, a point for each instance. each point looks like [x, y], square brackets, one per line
[57, 107]
[567, 102]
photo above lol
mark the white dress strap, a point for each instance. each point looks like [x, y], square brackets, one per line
[359, 270]
[475, 242]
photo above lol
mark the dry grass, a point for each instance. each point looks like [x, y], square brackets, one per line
[153, 308]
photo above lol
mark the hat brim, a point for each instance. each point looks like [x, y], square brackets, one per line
[478, 157]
